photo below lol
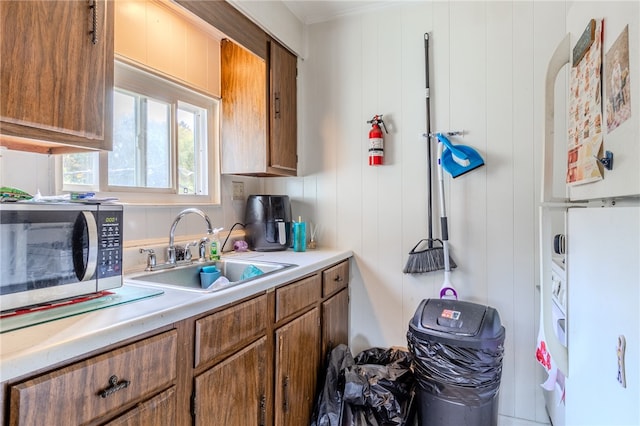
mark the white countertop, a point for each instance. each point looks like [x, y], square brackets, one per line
[40, 346]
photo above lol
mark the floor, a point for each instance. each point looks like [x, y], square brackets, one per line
[512, 421]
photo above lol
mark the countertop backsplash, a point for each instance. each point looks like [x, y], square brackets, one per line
[134, 261]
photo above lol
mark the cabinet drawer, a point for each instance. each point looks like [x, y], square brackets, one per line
[230, 328]
[90, 389]
[294, 297]
[335, 278]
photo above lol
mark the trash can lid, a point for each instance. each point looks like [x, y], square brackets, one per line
[457, 319]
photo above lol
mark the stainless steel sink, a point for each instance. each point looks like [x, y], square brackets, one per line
[188, 277]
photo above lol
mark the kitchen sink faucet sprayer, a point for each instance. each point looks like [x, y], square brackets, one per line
[171, 250]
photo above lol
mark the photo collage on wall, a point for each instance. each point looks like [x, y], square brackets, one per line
[617, 83]
[585, 108]
[586, 124]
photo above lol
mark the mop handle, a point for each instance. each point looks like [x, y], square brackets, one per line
[428, 135]
[443, 210]
[446, 291]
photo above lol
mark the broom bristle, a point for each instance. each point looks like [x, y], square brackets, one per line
[428, 260]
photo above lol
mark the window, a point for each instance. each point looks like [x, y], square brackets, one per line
[164, 144]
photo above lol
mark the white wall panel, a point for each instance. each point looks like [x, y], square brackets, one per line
[27, 171]
[545, 40]
[389, 186]
[486, 63]
[370, 324]
[500, 177]
[418, 19]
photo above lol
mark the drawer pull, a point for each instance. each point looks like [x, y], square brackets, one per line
[114, 386]
[338, 278]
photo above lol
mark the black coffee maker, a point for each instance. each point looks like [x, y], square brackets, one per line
[267, 222]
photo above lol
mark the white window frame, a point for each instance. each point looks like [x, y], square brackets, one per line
[141, 81]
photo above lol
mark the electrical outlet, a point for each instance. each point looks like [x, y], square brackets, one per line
[238, 191]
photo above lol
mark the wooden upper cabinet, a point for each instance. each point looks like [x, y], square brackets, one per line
[258, 111]
[56, 75]
[283, 114]
[244, 110]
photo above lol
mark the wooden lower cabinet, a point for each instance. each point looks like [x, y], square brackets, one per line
[253, 362]
[335, 322]
[99, 387]
[233, 392]
[297, 364]
[159, 410]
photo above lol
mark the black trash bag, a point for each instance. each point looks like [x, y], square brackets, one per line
[381, 380]
[374, 389]
[328, 410]
[469, 376]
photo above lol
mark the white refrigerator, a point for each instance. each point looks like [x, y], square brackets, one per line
[590, 219]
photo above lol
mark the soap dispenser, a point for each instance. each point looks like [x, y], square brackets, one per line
[215, 250]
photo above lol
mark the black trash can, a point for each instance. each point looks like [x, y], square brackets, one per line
[457, 350]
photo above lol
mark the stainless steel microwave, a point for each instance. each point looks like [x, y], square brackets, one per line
[58, 251]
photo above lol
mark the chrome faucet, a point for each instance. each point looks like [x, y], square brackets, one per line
[171, 250]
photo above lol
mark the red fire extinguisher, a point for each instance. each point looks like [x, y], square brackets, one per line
[376, 141]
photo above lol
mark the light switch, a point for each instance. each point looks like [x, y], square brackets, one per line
[238, 191]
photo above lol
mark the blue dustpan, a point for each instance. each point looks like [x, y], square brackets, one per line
[458, 159]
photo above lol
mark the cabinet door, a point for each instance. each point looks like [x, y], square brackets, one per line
[244, 110]
[157, 411]
[297, 367]
[335, 322]
[233, 393]
[283, 153]
[57, 81]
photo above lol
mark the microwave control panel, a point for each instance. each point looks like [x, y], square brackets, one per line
[109, 243]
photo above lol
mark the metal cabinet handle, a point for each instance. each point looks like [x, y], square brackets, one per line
[263, 409]
[93, 6]
[338, 278]
[285, 392]
[277, 104]
[114, 386]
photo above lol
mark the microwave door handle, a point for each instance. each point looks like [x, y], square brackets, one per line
[92, 258]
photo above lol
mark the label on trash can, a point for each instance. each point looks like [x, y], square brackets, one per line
[450, 314]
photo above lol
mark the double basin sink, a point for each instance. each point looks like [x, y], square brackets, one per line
[188, 277]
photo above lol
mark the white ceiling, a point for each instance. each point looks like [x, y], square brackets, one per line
[313, 11]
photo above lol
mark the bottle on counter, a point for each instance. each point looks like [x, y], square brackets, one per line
[299, 235]
[215, 249]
